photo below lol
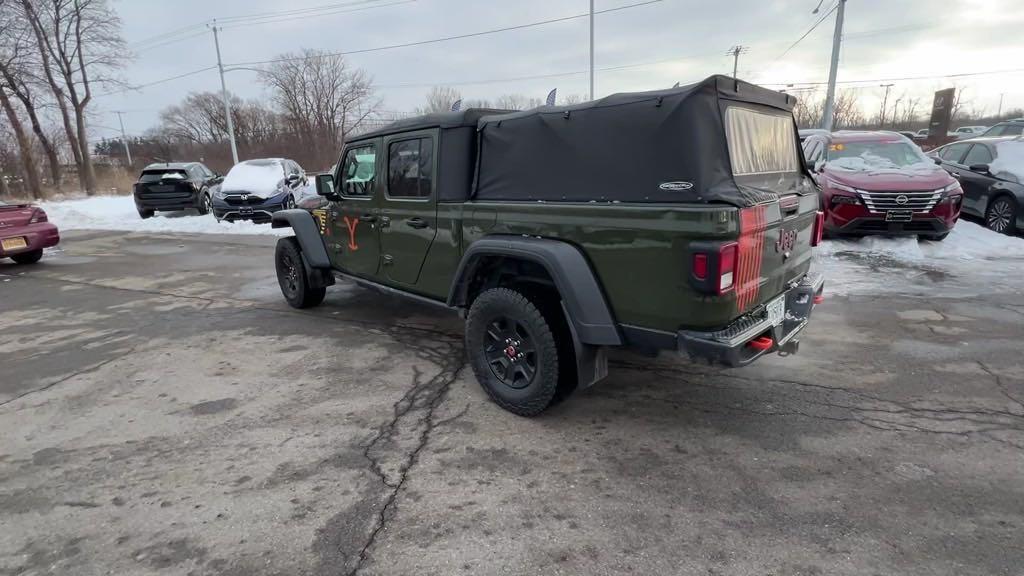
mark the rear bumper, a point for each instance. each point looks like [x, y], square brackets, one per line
[166, 201]
[37, 237]
[732, 345]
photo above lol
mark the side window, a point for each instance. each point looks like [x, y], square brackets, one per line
[979, 154]
[358, 171]
[953, 152]
[411, 168]
[195, 173]
[206, 171]
[1012, 130]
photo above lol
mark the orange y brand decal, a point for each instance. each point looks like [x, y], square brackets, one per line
[351, 223]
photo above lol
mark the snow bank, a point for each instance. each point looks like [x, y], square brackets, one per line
[118, 213]
[263, 178]
[971, 256]
[868, 162]
[1009, 161]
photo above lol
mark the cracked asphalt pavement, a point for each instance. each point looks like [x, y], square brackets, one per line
[162, 411]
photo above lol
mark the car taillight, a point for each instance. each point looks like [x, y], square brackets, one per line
[38, 216]
[713, 267]
[700, 266]
[727, 256]
[819, 228]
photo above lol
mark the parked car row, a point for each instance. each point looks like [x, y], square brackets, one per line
[882, 183]
[252, 190]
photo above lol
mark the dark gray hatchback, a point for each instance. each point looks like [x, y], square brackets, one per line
[175, 186]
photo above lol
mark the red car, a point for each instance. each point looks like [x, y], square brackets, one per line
[24, 232]
[881, 183]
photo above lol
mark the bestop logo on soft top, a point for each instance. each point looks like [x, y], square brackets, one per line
[678, 185]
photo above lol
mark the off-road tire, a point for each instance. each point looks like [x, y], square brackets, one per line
[934, 237]
[291, 276]
[28, 257]
[1007, 209]
[511, 306]
[205, 201]
[144, 214]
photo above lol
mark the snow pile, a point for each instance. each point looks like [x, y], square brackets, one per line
[868, 162]
[904, 265]
[119, 213]
[1009, 162]
[260, 177]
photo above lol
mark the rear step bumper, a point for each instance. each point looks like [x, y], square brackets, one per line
[755, 335]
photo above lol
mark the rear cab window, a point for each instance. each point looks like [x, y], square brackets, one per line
[410, 168]
[763, 149]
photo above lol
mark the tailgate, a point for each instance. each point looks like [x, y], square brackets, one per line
[774, 248]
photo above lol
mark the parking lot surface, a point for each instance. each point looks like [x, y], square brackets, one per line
[162, 411]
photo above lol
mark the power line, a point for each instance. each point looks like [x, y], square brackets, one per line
[294, 11]
[809, 30]
[448, 38]
[155, 82]
[243, 24]
[900, 79]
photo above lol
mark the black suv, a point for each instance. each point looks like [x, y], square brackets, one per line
[170, 186]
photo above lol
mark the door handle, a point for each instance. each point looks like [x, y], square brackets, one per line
[368, 218]
[385, 221]
[955, 174]
[417, 223]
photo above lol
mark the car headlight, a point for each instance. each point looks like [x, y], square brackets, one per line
[952, 187]
[837, 186]
[219, 194]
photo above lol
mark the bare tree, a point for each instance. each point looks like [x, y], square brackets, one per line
[570, 99]
[517, 102]
[320, 96]
[24, 145]
[79, 42]
[17, 64]
[440, 99]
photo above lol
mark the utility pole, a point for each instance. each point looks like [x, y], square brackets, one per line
[1000, 111]
[735, 52]
[224, 95]
[591, 49]
[885, 100]
[895, 111]
[124, 138]
[837, 40]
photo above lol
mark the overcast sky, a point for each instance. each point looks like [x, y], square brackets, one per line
[653, 45]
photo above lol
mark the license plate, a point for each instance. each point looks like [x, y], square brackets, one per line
[899, 216]
[14, 243]
[161, 188]
[777, 310]
[245, 211]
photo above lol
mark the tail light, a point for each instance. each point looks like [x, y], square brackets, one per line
[727, 256]
[713, 267]
[819, 228]
[38, 216]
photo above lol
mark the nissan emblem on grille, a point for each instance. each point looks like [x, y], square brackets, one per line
[902, 199]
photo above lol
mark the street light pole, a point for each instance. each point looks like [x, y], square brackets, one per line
[591, 49]
[224, 95]
[837, 40]
[124, 139]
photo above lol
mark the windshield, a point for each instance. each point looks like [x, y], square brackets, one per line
[158, 175]
[864, 156]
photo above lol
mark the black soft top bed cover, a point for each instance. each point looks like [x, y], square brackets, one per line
[660, 146]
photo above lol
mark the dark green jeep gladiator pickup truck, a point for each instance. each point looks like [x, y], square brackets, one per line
[679, 219]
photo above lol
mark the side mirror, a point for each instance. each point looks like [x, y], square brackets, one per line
[325, 187]
[982, 168]
[937, 160]
[292, 179]
[819, 166]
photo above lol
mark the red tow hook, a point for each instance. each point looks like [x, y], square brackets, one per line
[818, 299]
[761, 343]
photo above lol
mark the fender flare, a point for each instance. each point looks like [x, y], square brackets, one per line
[307, 232]
[584, 302]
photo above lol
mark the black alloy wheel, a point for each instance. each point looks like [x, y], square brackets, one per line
[291, 276]
[510, 352]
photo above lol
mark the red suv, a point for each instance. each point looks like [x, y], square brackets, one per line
[881, 183]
